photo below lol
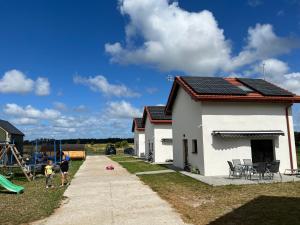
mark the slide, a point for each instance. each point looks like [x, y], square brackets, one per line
[9, 185]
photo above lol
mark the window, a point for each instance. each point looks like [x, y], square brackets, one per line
[194, 146]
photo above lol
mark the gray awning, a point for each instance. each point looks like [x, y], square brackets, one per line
[247, 133]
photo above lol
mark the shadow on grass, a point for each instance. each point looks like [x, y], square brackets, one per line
[264, 210]
[7, 192]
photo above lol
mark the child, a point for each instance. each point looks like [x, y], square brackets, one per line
[49, 174]
[64, 168]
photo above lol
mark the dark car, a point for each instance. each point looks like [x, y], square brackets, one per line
[129, 151]
[110, 150]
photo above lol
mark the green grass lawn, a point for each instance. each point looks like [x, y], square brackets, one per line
[198, 203]
[95, 149]
[122, 157]
[140, 166]
[36, 202]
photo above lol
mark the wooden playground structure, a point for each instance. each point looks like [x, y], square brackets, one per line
[10, 157]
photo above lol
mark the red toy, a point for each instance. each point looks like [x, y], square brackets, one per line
[111, 167]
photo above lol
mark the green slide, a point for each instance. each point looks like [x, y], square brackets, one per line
[9, 185]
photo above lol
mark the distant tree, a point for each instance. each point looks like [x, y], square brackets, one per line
[118, 144]
[124, 144]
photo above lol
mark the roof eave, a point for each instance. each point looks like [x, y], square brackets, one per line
[161, 121]
[178, 82]
[295, 99]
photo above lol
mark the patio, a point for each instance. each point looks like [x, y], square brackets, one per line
[225, 180]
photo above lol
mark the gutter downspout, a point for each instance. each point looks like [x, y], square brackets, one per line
[289, 134]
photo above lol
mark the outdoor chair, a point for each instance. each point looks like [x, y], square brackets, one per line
[236, 162]
[273, 168]
[247, 166]
[235, 171]
[247, 162]
[259, 168]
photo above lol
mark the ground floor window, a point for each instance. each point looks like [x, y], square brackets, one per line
[194, 146]
[185, 151]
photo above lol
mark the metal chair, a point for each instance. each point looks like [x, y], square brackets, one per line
[259, 168]
[247, 162]
[237, 162]
[248, 165]
[273, 168]
[234, 171]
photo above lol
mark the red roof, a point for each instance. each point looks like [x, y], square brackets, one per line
[252, 96]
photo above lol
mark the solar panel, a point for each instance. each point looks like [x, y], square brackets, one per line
[264, 87]
[158, 113]
[139, 122]
[213, 85]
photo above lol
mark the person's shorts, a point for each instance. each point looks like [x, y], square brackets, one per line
[64, 172]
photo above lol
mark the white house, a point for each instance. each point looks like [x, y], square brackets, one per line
[139, 137]
[216, 120]
[158, 134]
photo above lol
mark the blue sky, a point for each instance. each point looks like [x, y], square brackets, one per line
[71, 69]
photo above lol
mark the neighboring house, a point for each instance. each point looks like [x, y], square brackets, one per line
[139, 137]
[158, 134]
[10, 134]
[216, 120]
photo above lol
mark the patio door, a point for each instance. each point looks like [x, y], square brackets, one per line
[262, 150]
[185, 152]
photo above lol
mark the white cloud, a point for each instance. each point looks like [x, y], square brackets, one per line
[14, 81]
[255, 3]
[30, 112]
[280, 12]
[100, 84]
[122, 109]
[175, 39]
[278, 72]
[152, 90]
[80, 108]
[42, 86]
[263, 43]
[113, 121]
[25, 121]
[60, 106]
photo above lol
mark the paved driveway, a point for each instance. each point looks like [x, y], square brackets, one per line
[98, 196]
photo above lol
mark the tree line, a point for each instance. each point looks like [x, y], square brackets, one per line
[82, 141]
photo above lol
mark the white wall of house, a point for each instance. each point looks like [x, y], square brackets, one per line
[149, 136]
[242, 116]
[139, 143]
[187, 120]
[197, 120]
[162, 151]
[153, 135]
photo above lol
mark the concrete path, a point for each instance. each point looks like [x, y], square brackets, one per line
[98, 196]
